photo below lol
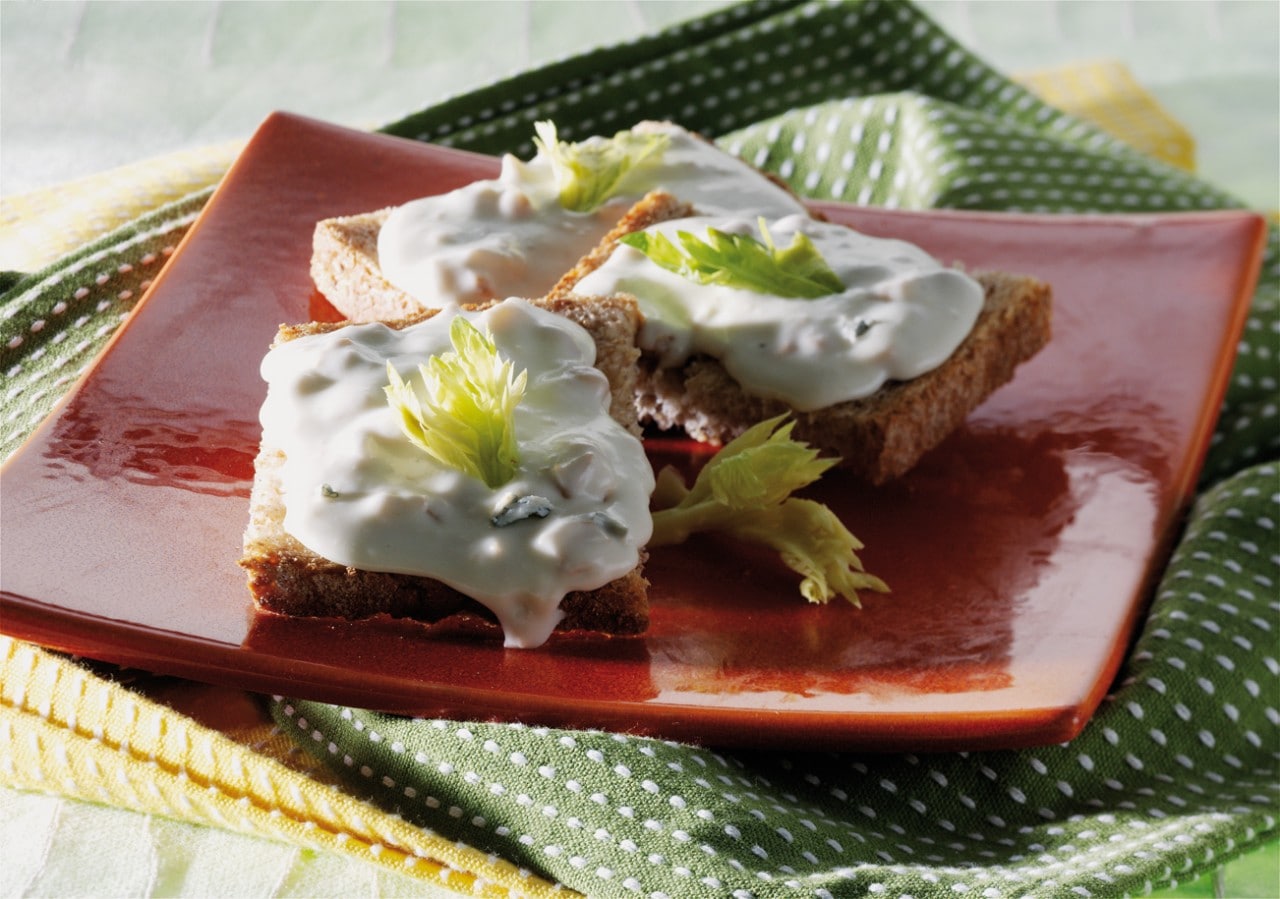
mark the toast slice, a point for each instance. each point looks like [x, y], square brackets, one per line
[287, 578]
[882, 436]
[344, 268]
[879, 437]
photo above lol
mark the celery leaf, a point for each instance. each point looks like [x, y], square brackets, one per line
[797, 271]
[461, 411]
[588, 173]
[745, 491]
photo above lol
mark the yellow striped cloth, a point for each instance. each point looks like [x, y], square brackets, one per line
[38, 227]
[1106, 93]
[64, 730]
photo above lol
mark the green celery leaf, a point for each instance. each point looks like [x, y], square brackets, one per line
[588, 173]
[745, 491]
[796, 271]
[462, 411]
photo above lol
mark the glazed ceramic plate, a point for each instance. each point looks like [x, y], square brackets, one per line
[1021, 552]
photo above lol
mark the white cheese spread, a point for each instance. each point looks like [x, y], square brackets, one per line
[359, 493]
[902, 313]
[511, 237]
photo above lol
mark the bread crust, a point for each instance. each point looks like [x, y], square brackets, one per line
[344, 268]
[287, 578]
[656, 206]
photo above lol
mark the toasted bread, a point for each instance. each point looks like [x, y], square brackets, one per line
[884, 435]
[344, 268]
[879, 437]
[345, 262]
[287, 578]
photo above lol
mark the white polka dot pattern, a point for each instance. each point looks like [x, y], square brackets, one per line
[1176, 772]
[870, 103]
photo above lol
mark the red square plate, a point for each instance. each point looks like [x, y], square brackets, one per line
[1020, 553]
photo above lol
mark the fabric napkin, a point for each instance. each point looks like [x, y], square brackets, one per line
[867, 102]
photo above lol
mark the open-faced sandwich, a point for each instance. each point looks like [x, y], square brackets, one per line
[460, 461]
[879, 355]
[517, 234]
[458, 452]
[877, 349]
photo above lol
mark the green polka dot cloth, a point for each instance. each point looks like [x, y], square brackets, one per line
[867, 102]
